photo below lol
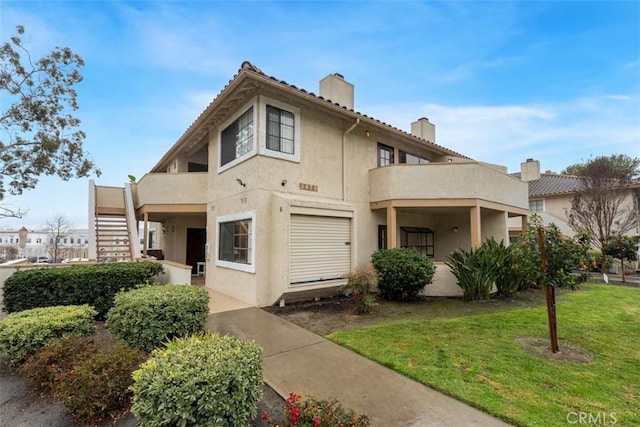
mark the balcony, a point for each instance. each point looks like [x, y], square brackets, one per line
[171, 189]
[438, 181]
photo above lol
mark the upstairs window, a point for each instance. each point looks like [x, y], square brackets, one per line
[385, 155]
[412, 159]
[237, 138]
[280, 130]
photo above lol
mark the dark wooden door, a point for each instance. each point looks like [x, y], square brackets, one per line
[196, 239]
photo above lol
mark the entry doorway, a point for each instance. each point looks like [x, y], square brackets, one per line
[196, 241]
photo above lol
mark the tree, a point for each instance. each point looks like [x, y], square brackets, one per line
[57, 228]
[623, 166]
[39, 134]
[607, 203]
[622, 248]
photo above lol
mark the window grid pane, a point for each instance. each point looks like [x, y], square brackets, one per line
[280, 130]
[235, 241]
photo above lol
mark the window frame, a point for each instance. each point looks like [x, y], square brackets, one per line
[428, 250]
[250, 266]
[226, 124]
[385, 148]
[537, 201]
[263, 103]
[402, 157]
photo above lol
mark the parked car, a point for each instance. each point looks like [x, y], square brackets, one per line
[41, 260]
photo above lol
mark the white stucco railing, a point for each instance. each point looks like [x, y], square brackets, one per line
[172, 189]
[464, 180]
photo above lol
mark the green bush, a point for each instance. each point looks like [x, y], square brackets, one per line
[402, 273]
[23, 332]
[476, 271]
[205, 380]
[310, 411]
[149, 316]
[95, 285]
[89, 375]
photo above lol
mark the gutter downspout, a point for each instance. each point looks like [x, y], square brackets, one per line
[344, 159]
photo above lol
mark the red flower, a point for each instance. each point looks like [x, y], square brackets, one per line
[295, 414]
[265, 416]
[316, 421]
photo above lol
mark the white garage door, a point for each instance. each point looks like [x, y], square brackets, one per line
[320, 249]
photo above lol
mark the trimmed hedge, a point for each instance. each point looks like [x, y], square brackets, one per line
[205, 380]
[402, 273]
[149, 316]
[95, 285]
[23, 332]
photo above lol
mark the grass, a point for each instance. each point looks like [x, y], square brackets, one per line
[476, 359]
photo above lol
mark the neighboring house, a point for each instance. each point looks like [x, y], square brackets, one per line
[279, 192]
[551, 195]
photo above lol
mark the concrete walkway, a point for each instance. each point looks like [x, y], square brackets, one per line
[296, 360]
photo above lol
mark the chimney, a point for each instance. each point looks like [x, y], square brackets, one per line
[336, 89]
[530, 170]
[423, 128]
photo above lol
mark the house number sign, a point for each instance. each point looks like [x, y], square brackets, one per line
[308, 187]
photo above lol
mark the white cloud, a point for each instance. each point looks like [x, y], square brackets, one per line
[558, 134]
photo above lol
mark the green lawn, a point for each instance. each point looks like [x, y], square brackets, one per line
[476, 359]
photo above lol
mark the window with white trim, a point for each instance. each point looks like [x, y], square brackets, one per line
[235, 246]
[280, 130]
[236, 139]
[536, 205]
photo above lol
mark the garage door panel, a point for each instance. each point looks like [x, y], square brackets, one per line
[320, 248]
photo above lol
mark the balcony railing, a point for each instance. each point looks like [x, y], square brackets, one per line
[466, 180]
[171, 189]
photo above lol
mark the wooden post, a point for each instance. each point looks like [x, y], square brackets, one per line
[550, 295]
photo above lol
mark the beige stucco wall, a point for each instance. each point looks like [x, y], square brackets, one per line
[256, 185]
[174, 188]
[469, 180]
[109, 197]
[556, 206]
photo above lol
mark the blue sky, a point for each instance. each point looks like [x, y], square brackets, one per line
[503, 81]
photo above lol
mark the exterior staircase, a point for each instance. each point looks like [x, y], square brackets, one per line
[113, 232]
[112, 238]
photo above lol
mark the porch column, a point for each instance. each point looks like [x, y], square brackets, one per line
[392, 241]
[476, 231]
[145, 243]
[525, 223]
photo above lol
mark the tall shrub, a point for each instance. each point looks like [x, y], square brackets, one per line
[360, 283]
[95, 285]
[148, 316]
[402, 273]
[205, 380]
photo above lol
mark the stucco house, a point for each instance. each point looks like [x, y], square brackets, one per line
[275, 192]
[551, 195]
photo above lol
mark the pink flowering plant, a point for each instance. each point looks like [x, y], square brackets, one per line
[308, 411]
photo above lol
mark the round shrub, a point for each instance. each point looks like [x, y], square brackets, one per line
[23, 332]
[204, 380]
[149, 316]
[402, 273]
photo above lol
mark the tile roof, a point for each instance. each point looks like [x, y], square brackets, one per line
[551, 184]
[249, 67]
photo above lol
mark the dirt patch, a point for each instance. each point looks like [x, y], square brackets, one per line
[328, 315]
[569, 352]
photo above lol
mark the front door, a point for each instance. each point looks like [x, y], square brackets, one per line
[196, 240]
